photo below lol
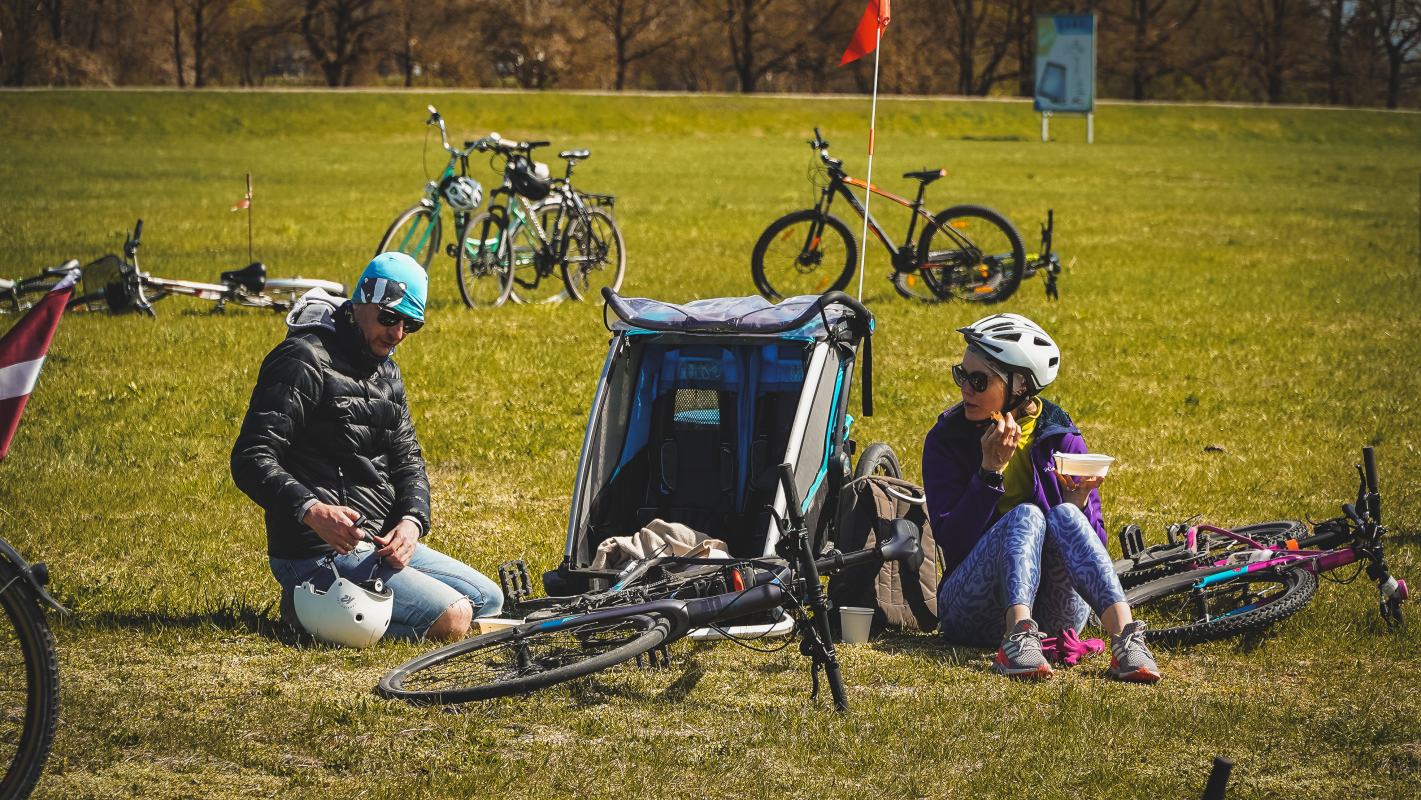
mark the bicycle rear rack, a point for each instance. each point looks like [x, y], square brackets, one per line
[607, 201]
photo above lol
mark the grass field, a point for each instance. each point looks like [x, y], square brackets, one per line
[1245, 279]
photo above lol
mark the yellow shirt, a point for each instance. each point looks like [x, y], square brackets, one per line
[1018, 482]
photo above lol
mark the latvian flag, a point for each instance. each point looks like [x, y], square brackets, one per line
[22, 353]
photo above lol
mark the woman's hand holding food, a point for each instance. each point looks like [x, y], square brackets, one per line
[1076, 491]
[999, 442]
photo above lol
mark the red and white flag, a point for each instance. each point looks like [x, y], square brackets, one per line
[871, 25]
[22, 352]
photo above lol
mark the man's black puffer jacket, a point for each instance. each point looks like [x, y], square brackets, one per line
[328, 421]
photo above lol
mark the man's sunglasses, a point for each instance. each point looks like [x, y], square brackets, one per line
[977, 380]
[389, 319]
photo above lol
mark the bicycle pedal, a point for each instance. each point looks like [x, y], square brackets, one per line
[516, 582]
[1132, 541]
[451, 251]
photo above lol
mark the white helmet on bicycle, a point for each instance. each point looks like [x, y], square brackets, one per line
[1015, 345]
[348, 614]
[463, 194]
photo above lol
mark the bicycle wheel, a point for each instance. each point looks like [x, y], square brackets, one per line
[536, 277]
[973, 253]
[1176, 614]
[596, 256]
[796, 255]
[1210, 548]
[482, 262]
[505, 663]
[878, 459]
[29, 687]
[414, 233]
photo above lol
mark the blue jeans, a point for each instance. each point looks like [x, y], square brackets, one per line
[423, 590]
[1052, 563]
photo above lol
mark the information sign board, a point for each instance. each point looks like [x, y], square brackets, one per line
[1065, 63]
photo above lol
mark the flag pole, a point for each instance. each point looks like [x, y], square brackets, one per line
[249, 217]
[872, 118]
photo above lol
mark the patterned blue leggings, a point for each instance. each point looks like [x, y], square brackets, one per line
[1046, 562]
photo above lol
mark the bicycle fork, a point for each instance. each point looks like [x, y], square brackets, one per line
[818, 642]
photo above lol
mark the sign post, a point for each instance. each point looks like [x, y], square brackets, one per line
[1065, 69]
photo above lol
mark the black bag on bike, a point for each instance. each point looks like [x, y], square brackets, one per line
[904, 600]
[526, 183]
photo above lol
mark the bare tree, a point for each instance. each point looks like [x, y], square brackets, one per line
[1274, 34]
[973, 34]
[177, 8]
[639, 29]
[339, 34]
[1397, 24]
[1151, 24]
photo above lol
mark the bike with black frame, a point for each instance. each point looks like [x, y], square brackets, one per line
[540, 239]
[29, 669]
[969, 252]
[572, 637]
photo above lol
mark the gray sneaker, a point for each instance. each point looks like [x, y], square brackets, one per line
[1019, 655]
[1130, 658]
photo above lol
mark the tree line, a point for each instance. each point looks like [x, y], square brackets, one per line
[1339, 52]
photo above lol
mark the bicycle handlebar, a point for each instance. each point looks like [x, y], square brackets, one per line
[61, 270]
[1374, 500]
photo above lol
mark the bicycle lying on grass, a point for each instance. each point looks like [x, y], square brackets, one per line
[1258, 583]
[18, 296]
[544, 239]
[116, 285]
[967, 251]
[571, 639]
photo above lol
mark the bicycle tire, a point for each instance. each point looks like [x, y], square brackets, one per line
[878, 459]
[537, 278]
[40, 662]
[1163, 603]
[594, 242]
[454, 674]
[482, 264]
[425, 245]
[988, 272]
[801, 266]
[1161, 560]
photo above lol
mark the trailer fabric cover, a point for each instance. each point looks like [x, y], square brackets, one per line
[724, 315]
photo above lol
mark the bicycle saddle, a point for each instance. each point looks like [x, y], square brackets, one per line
[927, 175]
[251, 277]
[577, 154]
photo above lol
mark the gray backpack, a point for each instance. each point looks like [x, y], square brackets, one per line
[899, 600]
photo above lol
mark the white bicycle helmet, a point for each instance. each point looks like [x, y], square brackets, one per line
[1016, 346]
[348, 614]
[463, 194]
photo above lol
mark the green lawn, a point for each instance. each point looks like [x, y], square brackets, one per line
[1240, 278]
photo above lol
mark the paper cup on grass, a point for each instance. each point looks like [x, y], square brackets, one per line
[855, 624]
[1083, 465]
[491, 624]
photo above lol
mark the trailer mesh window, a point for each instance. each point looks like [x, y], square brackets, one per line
[697, 409]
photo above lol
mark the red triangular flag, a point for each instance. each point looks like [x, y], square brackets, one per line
[22, 352]
[875, 19]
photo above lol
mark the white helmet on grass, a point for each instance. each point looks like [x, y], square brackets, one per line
[348, 614]
[1017, 346]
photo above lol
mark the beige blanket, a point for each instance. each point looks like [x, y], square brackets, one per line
[658, 538]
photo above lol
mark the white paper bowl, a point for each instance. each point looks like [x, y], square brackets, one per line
[1083, 465]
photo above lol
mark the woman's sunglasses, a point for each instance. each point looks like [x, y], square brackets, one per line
[977, 380]
[390, 319]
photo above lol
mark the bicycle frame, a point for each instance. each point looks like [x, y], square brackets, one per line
[904, 258]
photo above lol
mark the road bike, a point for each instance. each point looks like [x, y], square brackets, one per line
[416, 231]
[596, 632]
[1258, 585]
[967, 251]
[29, 673]
[116, 285]
[546, 241]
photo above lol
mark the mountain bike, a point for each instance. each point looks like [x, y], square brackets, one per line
[116, 285]
[1257, 586]
[29, 705]
[416, 231]
[569, 641]
[545, 239]
[1191, 546]
[967, 251]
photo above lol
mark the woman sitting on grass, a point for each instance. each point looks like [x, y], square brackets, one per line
[1021, 544]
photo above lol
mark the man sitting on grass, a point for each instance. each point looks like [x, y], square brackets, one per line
[328, 445]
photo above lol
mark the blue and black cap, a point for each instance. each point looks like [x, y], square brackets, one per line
[394, 281]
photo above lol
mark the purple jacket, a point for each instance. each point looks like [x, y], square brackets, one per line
[961, 507]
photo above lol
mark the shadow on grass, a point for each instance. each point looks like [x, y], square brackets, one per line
[230, 617]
